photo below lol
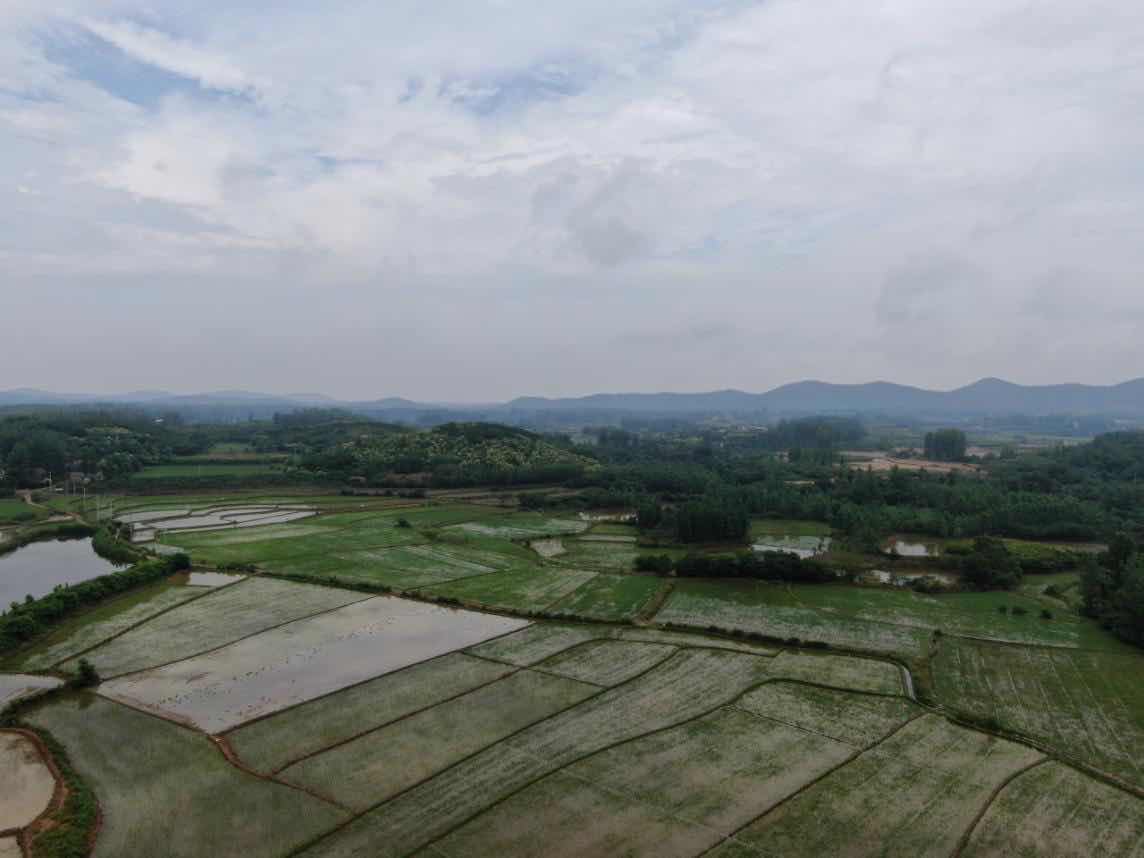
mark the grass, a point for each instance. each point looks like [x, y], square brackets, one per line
[686, 686]
[1054, 810]
[166, 791]
[613, 598]
[103, 622]
[380, 764]
[1086, 705]
[793, 527]
[271, 743]
[18, 512]
[212, 621]
[192, 471]
[913, 794]
[607, 663]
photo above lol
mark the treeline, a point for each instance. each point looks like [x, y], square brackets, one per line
[48, 443]
[762, 566]
[25, 620]
[1112, 586]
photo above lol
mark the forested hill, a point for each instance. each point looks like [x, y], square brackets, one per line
[988, 396]
[452, 454]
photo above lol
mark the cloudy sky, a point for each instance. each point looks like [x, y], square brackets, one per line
[465, 200]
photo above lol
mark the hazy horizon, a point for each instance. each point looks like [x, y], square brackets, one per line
[477, 201]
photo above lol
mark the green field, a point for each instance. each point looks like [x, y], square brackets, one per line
[148, 772]
[17, 512]
[1053, 810]
[1088, 706]
[189, 471]
[634, 715]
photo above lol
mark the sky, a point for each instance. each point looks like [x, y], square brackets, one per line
[469, 201]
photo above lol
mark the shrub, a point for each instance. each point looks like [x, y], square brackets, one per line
[86, 675]
[404, 523]
[1046, 614]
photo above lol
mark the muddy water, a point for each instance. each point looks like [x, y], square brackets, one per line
[10, 848]
[26, 782]
[303, 660]
[37, 568]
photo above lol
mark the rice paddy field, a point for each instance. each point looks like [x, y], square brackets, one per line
[424, 680]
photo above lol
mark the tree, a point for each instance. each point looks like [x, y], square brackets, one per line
[946, 445]
[991, 566]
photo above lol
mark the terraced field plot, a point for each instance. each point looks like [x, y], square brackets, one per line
[687, 685]
[1056, 811]
[167, 791]
[607, 663]
[270, 744]
[525, 590]
[106, 621]
[380, 764]
[858, 720]
[610, 597]
[677, 792]
[914, 794]
[855, 613]
[302, 660]
[1087, 705]
[221, 617]
[524, 526]
[704, 604]
[840, 671]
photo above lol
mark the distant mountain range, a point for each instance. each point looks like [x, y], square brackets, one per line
[988, 396]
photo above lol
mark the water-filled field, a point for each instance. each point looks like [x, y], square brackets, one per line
[554, 703]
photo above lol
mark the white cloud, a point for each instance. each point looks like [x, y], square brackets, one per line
[173, 55]
[777, 167]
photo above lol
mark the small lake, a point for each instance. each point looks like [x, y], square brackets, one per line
[804, 546]
[39, 567]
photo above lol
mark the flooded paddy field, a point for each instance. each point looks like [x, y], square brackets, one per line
[302, 660]
[571, 707]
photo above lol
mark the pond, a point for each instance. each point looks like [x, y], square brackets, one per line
[913, 547]
[38, 567]
[803, 546]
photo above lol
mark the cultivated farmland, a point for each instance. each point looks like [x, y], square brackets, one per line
[148, 772]
[572, 707]
[1088, 706]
